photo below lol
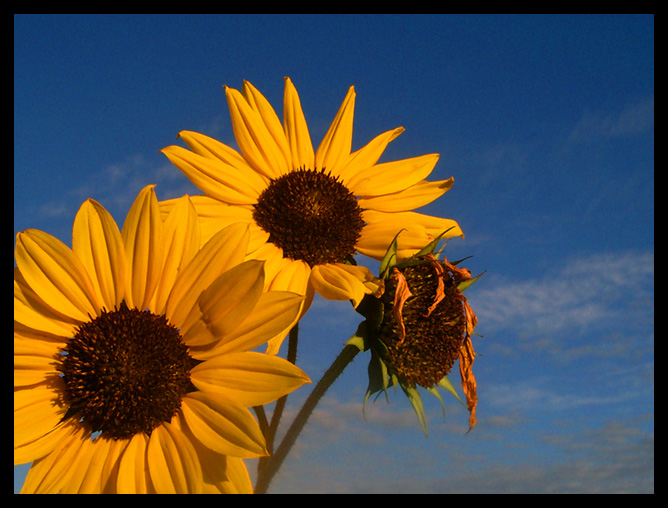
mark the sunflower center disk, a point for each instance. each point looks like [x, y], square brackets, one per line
[429, 345]
[311, 216]
[125, 372]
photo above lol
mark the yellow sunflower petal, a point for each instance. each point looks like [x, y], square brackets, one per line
[214, 215]
[225, 250]
[420, 194]
[109, 475]
[254, 138]
[415, 231]
[226, 303]
[133, 475]
[238, 481]
[368, 155]
[54, 273]
[30, 311]
[213, 149]
[172, 462]
[334, 149]
[212, 464]
[38, 409]
[97, 241]
[33, 450]
[86, 477]
[143, 238]
[182, 241]
[249, 379]
[49, 474]
[273, 315]
[281, 273]
[259, 103]
[35, 361]
[296, 129]
[213, 176]
[344, 282]
[391, 177]
[100, 452]
[223, 426]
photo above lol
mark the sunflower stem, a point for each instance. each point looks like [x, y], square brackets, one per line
[272, 464]
[269, 428]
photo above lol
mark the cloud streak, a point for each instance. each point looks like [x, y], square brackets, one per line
[587, 292]
[634, 118]
[341, 454]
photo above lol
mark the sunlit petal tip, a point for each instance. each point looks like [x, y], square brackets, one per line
[142, 235]
[391, 177]
[97, 241]
[296, 129]
[56, 274]
[416, 196]
[182, 241]
[249, 379]
[258, 132]
[344, 282]
[334, 149]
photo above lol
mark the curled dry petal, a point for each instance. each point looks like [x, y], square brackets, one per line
[401, 295]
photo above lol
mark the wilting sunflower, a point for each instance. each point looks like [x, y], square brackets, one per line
[310, 211]
[133, 370]
[419, 328]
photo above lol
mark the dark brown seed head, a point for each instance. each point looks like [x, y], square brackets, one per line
[125, 372]
[424, 323]
[311, 215]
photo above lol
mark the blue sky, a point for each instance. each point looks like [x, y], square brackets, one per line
[547, 125]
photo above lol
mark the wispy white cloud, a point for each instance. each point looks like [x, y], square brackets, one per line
[115, 186]
[339, 455]
[586, 292]
[634, 118]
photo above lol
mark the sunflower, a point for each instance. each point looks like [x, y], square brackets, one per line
[133, 370]
[419, 328]
[310, 210]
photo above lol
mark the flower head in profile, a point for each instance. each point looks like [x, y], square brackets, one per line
[419, 328]
[310, 210]
[133, 370]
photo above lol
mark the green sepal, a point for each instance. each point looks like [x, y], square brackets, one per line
[378, 379]
[467, 283]
[435, 393]
[445, 383]
[360, 340]
[372, 309]
[415, 400]
[390, 258]
[455, 263]
[431, 246]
